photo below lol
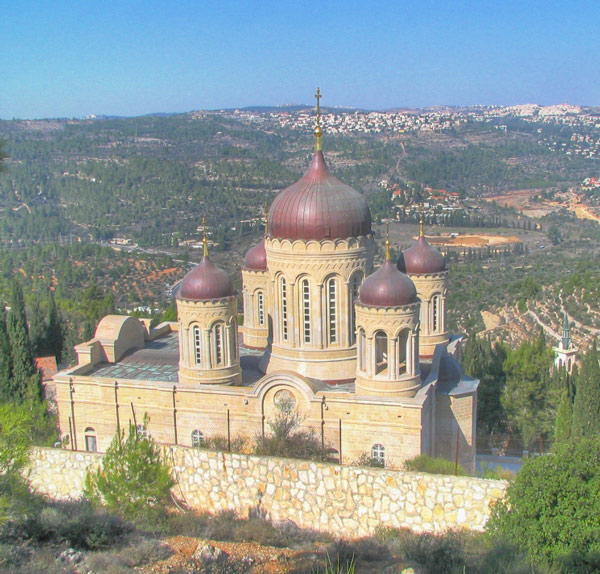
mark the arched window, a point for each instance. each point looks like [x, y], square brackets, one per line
[197, 438]
[305, 311]
[218, 331]
[435, 313]
[197, 345]
[354, 289]
[260, 307]
[284, 317]
[90, 440]
[246, 305]
[378, 455]
[332, 305]
[381, 352]
[361, 352]
[402, 351]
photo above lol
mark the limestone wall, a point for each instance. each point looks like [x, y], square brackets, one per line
[60, 473]
[345, 500]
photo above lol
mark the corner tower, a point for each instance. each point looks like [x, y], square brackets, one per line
[319, 248]
[426, 267]
[255, 282]
[387, 324]
[207, 315]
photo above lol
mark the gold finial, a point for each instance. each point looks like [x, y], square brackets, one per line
[266, 218]
[204, 240]
[421, 210]
[388, 255]
[318, 131]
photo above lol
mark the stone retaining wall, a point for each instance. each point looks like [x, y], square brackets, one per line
[345, 500]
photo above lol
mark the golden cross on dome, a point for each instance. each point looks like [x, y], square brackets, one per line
[388, 255]
[318, 130]
[421, 211]
[204, 240]
[318, 96]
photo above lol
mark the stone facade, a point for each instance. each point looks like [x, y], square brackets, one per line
[344, 500]
[304, 276]
[208, 342]
[303, 308]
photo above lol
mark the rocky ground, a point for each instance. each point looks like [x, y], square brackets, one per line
[183, 555]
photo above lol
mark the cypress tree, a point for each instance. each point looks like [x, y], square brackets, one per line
[55, 335]
[484, 362]
[23, 363]
[586, 407]
[564, 418]
[37, 329]
[5, 359]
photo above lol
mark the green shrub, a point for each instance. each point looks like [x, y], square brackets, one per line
[424, 463]
[442, 554]
[287, 440]
[15, 430]
[552, 508]
[134, 481]
[365, 459]
[496, 473]
[338, 566]
[137, 554]
[220, 443]
[76, 523]
[345, 552]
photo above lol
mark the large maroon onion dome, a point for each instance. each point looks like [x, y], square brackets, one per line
[204, 282]
[256, 258]
[387, 287]
[421, 258]
[319, 206]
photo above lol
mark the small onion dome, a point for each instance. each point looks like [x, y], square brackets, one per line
[319, 206]
[256, 258]
[204, 282]
[421, 258]
[387, 287]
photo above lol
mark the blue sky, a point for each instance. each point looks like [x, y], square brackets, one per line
[73, 58]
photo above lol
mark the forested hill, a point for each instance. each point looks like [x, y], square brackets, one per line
[153, 178]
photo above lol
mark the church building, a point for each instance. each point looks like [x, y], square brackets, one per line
[363, 355]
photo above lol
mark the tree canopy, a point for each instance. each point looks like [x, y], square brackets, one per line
[552, 508]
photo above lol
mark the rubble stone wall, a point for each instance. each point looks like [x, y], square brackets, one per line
[345, 500]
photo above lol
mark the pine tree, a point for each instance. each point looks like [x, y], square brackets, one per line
[586, 407]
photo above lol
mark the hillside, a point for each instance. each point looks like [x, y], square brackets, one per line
[119, 202]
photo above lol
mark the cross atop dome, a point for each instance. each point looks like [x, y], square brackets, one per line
[204, 239]
[318, 130]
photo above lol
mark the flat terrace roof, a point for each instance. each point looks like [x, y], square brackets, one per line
[158, 360]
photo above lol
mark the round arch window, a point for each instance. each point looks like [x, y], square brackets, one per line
[284, 397]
